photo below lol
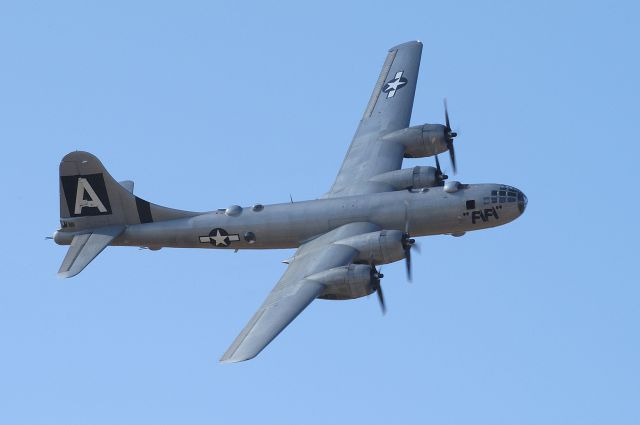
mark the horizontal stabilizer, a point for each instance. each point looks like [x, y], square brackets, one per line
[127, 184]
[85, 247]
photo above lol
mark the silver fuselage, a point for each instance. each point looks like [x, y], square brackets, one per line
[428, 212]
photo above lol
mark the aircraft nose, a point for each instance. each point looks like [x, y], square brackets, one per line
[522, 201]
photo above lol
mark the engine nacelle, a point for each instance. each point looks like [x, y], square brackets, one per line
[346, 282]
[410, 178]
[381, 247]
[421, 140]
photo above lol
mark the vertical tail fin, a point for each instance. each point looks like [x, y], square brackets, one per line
[91, 198]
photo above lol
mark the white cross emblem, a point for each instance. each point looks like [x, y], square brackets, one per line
[397, 83]
[219, 237]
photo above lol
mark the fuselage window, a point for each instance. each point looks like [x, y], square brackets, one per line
[471, 204]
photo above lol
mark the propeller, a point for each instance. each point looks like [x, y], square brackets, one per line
[407, 242]
[449, 135]
[375, 283]
[440, 176]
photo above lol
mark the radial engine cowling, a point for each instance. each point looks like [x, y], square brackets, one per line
[410, 178]
[381, 247]
[421, 140]
[346, 282]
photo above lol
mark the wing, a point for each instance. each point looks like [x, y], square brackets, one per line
[389, 109]
[294, 292]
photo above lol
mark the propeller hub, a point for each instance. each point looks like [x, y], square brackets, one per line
[407, 241]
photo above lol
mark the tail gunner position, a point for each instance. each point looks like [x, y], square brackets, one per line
[369, 217]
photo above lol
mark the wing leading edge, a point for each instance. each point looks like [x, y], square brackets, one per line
[389, 109]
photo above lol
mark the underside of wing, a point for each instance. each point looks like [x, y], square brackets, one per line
[273, 316]
[388, 110]
[307, 277]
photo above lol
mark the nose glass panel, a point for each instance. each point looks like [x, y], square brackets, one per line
[522, 201]
[504, 194]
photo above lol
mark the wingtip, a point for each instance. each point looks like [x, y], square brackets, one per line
[66, 274]
[236, 356]
[231, 359]
[413, 43]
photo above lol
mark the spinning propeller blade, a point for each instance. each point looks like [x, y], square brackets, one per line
[450, 135]
[439, 174]
[407, 242]
[375, 283]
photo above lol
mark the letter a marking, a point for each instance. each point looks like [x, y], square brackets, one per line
[94, 202]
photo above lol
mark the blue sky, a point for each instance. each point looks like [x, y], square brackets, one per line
[206, 104]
